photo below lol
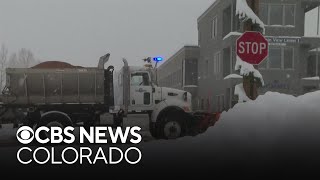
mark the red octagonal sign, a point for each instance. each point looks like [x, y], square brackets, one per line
[252, 47]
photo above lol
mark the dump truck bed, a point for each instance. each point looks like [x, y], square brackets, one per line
[54, 86]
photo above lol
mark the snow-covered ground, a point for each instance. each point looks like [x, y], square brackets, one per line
[274, 126]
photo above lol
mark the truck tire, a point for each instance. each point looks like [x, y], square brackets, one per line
[54, 120]
[171, 126]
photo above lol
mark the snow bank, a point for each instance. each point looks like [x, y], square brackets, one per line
[246, 68]
[272, 127]
[245, 13]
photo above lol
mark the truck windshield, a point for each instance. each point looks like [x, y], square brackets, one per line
[140, 79]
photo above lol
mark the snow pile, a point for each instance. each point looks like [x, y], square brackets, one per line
[272, 127]
[245, 13]
[246, 68]
[239, 90]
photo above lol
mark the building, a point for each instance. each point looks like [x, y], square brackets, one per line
[293, 60]
[181, 70]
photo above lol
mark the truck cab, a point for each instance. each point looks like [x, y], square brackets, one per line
[136, 91]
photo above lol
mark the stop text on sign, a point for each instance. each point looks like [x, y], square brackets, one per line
[252, 47]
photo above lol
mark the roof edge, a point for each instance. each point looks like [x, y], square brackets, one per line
[177, 53]
[208, 10]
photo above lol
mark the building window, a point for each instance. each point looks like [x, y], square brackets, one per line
[235, 18]
[227, 17]
[279, 58]
[191, 67]
[289, 15]
[227, 61]
[313, 65]
[214, 28]
[234, 59]
[278, 14]
[207, 69]
[217, 63]
[288, 58]
[275, 58]
[264, 13]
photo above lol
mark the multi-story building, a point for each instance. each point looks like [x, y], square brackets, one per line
[292, 65]
[181, 70]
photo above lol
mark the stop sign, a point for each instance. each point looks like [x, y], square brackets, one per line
[252, 47]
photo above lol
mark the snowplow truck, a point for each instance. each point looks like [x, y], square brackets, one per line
[79, 96]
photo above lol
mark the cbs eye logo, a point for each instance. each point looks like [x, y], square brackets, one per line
[25, 135]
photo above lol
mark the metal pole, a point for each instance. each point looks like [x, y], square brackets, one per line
[250, 80]
[317, 57]
[318, 20]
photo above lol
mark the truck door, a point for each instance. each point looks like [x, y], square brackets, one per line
[141, 91]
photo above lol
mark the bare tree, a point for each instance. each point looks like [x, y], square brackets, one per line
[25, 58]
[13, 60]
[3, 64]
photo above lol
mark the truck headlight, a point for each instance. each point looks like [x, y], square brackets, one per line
[185, 96]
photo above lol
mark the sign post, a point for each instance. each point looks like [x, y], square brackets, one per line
[253, 48]
[249, 84]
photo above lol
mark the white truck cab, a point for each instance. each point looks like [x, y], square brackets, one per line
[135, 91]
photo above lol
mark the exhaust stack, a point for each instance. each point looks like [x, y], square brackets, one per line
[103, 60]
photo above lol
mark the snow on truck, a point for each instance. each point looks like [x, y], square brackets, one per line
[79, 96]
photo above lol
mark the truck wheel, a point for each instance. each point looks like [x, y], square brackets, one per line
[172, 127]
[53, 121]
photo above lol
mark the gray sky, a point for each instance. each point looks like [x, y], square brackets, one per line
[80, 31]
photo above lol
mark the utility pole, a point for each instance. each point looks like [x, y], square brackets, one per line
[249, 84]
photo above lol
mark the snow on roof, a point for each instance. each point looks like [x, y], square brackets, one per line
[232, 34]
[190, 86]
[246, 68]
[279, 25]
[317, 78]
[233, 76]
[315, 50]
[245, 13]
